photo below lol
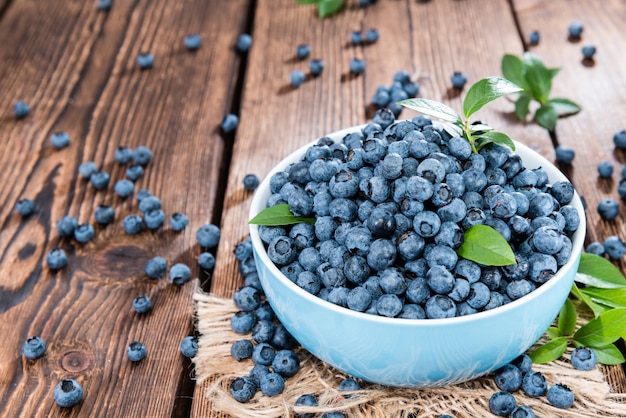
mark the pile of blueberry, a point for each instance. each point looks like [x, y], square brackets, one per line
[391, 205]
[401, 88]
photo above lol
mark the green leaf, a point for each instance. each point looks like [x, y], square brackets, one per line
[329, 7]
[554, 71]
[607, 328]
[485, 245]
[452, 129]
[480, 127]
[538, 77]
[609, 354]
[597, 271]
[432, 108]
[567, 318]
[614, 298]
[279, 215]
[553, 333]
[595, 308]
[485, 91]
[550, 351]
[563, 106]
[522, 106]
[546, 117]
[497, 138]
[512, 69]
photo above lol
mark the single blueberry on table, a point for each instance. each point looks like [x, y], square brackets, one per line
[60, 140]
[243, 250]
[156, 267]
[68, 393]
[142, 155]
[104, 5]
[20, 110]
[208, 235]
[349, 384]
[33, 348]
[229, 123]
[149, 203]
[356, 38]
[296, 78]
[247, 298]
[56, 259]
[242, 322]
[614, 247]
[264, 354]
[608, 209]
[372, 35]
[596, 248]
[534, 384]
[154, 219]
[619, 139]
[67, 225]
[180, 274]
[251, 182]
[134, 172]
[83, 233]
[458, 80]
[588, 52]
[523, 362]
[244, 42]
[87, 169]
[522, 412]
[575, 29]
[145, 60]
[241, 349]
[508, 378]
[564, 154]
[178, 221]
[124, 188]
[189, 346]
[286, 363]
[605, 169]
[306, 400]
[123, 155]
[243, 389]
[192, 42]
[136, 351]
[303, 51]
[501, 403]
[206, 261]
[316, 66]
[534, 37]
[272, 384]
[99, 180]
[357, 66]
[583, 358]
[142, 304]
[25, 207]
[560, 396]
[133, 224]
[621, 189]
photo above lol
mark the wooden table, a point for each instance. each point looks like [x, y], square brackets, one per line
[76, 68]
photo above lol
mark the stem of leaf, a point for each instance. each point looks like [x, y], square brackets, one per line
[468, 135]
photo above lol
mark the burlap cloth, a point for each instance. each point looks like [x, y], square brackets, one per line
[214, 363]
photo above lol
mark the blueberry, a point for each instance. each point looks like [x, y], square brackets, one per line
[560, 396]
[263, 331]
[479, 295]
[180, 274]
[296, 78]
[33, 348]
[596, 248]
[86, 169]
[136, 351]
[439, 307]
[588, 52]
[583, 358]
[229, 123]
[264, 311]
[206, 261]
[25, 207]
[547, 240]
[20, 110]
[145, 60]
[382, 254]
[534, 37]
[154, 219]
[247, 298]
[104, 5]
[242, 322]
[189, 346]
[134, 172]
[501, 404]
[619, 139]
[56, 259]
[124, 188]
[244, 42]
[241, 349]
[192, 42]
[508, 378]
[458, 80]
[100, 180]
[208, 235]
[156, 267]
[149, 203]
[286, 363]
[356, 38]
[264, 354]
[316, 67]
[427, 224]
[67, 225]
[575, 29]
[333, 414]
[357, 66]
[614, 247]
[440, 280]
[523, 362]
[68, 393]
[142, 155]
[564, 154]
[306, 400]
[372, 35]
[257, 372]
[178, 221]
[250, 182]
[60, 140]
[412, 89]
[142, 304]
[522, 412]
[605, 169]
[133, 224]
[243, 389]
[621, 188]
[272, 384]
[534, 384]
[282, 339]
[303, 51]
[388, 305]
[608, 209]
[83, 233]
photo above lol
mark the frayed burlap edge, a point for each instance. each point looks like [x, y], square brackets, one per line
[214, 363]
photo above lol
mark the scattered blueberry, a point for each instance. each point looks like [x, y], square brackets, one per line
[357, 66]
[372, 35]
[178, 221]
[149, 203]
[104, 5]
[142, 194]
[136, 351]
[356, 37]
[86, 169]
[534, 384]
[99, 180]
[575, 29]
[605, 169]
[583, 358]
[244, 42]
[123, 155]
[306, 400]
[154, 219]
[67, 225]
[608, 209]
[83, 233]
[522, 412]
[619, 139]
[156, 267]
[206, 260]
[242, 322]
[588, 52]
[142, 304]
[142, 155]
[145, 60]
[501, 404]
[20, 110]
[25, 207]
[596, 248]
[458, 80]
[286, 363]
[316, 67]
[60, 140]
[68, 393]
[189, 346]
[250, 182]
[33, 348]
[296, 78]
[508, 378]
[303, 51]
[208, 236]
[133, 224]
[560, 396]
[134, 172]
[564, 154]
[56, 259]
[272, 384]
[241, 349]
[192, 42]
[534, 37]
[180, 274]
[243, 389]
[229, 124]
[124, 188]
[614, 247]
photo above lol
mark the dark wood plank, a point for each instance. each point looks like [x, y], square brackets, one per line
[597, 88]
[76, 68]
[276, 119]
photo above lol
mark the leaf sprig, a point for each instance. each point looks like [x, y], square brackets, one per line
[325, 7]
[530, 73]
[279, 215]
[601, 294]
[478, 95]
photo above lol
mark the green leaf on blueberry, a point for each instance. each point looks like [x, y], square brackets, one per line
[549, 351]
[279, 215]
[484, 245]
[325, 7]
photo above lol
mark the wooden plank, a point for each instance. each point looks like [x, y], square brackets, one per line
[597, 87]
[275, 119]
[76, 68]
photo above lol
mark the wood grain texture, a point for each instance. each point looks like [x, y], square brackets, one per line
[76, 68]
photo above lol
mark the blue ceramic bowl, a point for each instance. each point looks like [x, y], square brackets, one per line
[414, 352]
